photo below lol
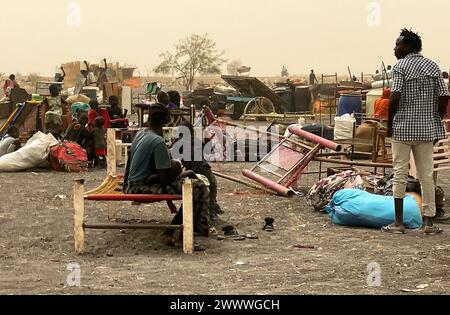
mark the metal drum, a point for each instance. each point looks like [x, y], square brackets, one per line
[351, 104]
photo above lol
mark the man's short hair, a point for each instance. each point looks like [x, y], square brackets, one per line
[163, 98]
[159, 115]
[12, 77]
[412, 40]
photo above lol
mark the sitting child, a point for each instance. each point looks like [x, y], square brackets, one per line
[10, 142]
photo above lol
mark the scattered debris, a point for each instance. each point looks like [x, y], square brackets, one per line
[229, 230]
[269, 225]
[304, 247]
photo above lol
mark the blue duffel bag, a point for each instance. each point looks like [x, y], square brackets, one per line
[354, 207]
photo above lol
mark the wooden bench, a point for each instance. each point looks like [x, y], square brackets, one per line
[80, 224]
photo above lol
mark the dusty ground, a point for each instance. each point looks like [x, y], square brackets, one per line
[36, 244]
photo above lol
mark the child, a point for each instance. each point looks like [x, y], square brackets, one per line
[199, 167]
[10, 142]
[53, 116]
[99, 142]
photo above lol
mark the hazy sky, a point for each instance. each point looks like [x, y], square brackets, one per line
[327, 35]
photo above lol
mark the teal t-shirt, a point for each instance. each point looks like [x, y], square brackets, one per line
[149, 153]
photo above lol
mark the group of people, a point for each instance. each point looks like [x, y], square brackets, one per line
[89, 128]
[154, 169]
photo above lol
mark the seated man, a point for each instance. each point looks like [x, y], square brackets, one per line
[118, 118]
[115, 112]
[151, 171]
[10, 142]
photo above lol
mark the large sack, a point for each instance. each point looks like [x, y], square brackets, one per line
[343, 127]
[68, 157]
[78, 98]
[353, 207]
[33, 155]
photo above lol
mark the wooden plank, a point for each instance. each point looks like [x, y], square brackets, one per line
[446, 168]
[444, 161]
[441, 155]
[118, 226]
[188, 217]
[111, 158]
[78, 200]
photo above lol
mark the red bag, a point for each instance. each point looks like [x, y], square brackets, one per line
[68, 157]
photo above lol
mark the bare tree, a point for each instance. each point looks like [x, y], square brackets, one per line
[193, 55]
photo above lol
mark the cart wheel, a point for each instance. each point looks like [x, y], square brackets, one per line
[259, 105]
[238, 110]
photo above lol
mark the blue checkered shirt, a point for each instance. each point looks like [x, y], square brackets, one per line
[420, 82]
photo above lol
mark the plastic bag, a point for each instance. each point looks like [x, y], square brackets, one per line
[343, 128]
[353, 207]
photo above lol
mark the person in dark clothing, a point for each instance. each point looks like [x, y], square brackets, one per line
[150, 170]
[115, 112]
[78, 131]
[196, 162]
[99, 140]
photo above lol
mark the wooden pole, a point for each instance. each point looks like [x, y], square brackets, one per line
[248, 184]
[111, 159]
[78, 200]
[353, 163]
[188, 217]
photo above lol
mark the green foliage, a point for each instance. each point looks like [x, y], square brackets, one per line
[196, 54]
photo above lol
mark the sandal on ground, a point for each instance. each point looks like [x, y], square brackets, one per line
[393, 229]
[432, 230]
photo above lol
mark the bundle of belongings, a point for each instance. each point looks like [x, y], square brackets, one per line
[358, 198]
[44, 151]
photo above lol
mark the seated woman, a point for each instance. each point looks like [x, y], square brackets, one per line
[78, 132]
[150, 170]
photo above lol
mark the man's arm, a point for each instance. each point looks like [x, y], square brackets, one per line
[394, 103]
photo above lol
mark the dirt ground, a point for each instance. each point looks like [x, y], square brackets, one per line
[36, 245]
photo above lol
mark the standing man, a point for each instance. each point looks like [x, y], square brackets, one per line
[418, 103]
[313, 78]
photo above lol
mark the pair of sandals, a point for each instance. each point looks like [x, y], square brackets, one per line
[428, 230]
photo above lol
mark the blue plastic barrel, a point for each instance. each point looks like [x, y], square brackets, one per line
[349, 104]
